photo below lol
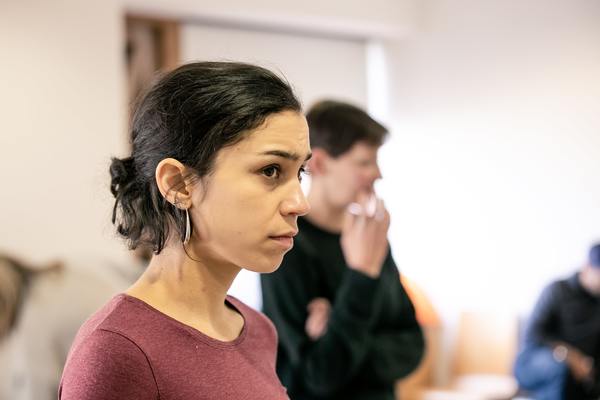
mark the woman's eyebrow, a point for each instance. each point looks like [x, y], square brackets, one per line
[285, 154]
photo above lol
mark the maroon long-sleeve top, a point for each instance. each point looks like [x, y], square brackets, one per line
[129, 350]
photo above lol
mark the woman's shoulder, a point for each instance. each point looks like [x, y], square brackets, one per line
[115, 316]
[105, 350]
[123, 316]
[104, 363]
[115, 312]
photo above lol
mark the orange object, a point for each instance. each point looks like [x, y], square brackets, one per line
[425, 313]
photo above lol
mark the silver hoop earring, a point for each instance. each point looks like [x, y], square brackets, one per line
[188, 227]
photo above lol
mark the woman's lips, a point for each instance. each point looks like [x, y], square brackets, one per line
[285, 241]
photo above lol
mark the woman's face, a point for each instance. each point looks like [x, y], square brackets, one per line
[245, 213]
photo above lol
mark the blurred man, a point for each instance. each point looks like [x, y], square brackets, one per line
[347, 328]
[562, 340]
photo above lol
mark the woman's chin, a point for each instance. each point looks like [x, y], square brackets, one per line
[265, 267]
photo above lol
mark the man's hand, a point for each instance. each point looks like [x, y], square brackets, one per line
[581, 366]
[364, 235]
[318, 317]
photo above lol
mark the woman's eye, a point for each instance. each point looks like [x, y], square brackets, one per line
[302, 172]
[271, 172]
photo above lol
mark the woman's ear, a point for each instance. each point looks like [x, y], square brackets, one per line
[173, 182]
[317, 165]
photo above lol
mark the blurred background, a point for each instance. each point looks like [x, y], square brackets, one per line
[491, 172]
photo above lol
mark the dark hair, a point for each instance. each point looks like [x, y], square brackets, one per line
[189, 114]
[336, 126]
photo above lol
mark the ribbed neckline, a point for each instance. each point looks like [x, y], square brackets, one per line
[231, 301]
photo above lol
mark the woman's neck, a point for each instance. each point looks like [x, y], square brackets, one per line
[190, 291]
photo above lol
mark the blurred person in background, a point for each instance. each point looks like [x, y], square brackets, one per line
[213, 186]
[561, 353]
[347, 329]
[41, 309]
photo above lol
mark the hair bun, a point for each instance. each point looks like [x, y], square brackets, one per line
[122, 173]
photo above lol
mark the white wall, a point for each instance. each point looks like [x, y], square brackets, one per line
[316, 67]
[355, 18]
[494, 162]
[496, 147]
[63, 115]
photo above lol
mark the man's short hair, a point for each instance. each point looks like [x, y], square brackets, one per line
[336, 126]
